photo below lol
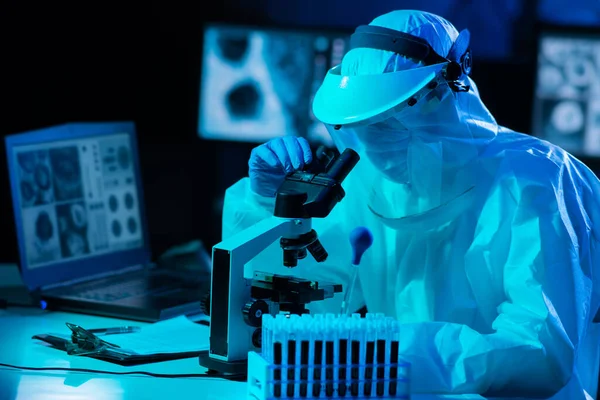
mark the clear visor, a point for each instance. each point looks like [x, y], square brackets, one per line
[388, 131]
[368, 99]
[402, 168]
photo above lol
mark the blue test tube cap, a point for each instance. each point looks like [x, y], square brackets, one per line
[360, 239]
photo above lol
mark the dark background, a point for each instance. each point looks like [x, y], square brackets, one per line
[67, 61]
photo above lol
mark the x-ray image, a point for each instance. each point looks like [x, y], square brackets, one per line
[73, 229]
[35, 178]
[41, 233]
[258, 84]
[593, 128]
[565, 123]
[568, 67]
[66, 170]
[568, 82]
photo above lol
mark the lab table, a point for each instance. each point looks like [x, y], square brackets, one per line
[18, 325]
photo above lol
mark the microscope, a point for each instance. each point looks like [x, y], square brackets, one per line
[236, 303]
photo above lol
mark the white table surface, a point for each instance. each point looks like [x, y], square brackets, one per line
[18, 325]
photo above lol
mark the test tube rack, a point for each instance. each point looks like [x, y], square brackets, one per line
[328, 357]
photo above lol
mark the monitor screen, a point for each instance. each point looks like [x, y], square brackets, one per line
[567, 93]
[258, 84]
[78, 198]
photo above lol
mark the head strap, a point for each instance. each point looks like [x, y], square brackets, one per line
[376, 37]
[459, 57]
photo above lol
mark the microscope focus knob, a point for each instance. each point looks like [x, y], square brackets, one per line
[253, 312]
[205, 304]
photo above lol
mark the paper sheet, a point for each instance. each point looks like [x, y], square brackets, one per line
[176, 335]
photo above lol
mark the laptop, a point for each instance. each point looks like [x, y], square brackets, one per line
[81, 229]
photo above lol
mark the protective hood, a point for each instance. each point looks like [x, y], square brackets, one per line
[425, 151]
[485, 241]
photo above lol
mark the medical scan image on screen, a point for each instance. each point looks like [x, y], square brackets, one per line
[259, 84]
[78, 199]
[567, 98]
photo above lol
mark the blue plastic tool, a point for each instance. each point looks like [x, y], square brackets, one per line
[360, 239]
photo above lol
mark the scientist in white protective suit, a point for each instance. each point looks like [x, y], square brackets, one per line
[486, 242]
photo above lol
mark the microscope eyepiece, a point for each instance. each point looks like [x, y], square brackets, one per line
[342, 166]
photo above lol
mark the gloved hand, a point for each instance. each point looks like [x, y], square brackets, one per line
[270, 162]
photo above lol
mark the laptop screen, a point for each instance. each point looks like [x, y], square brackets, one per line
[76, 198]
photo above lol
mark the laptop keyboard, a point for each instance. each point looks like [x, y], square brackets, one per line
[108, 290]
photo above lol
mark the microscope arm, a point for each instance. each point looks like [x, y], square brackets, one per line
[229, 334]
[303, 195]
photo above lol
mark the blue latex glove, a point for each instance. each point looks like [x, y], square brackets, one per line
[270, 162]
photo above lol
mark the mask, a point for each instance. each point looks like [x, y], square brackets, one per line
[386, 145]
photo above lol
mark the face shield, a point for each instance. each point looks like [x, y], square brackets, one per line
[405, 122]
[379, 113]
[367, 99]
[374, 114]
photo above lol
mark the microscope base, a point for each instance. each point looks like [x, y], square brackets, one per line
[224, 367]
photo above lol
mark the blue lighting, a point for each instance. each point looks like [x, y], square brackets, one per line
[43, 304]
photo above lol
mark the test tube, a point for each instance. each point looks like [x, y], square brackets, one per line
[291, 357]
[387, 323]
[394, 349]
[318, 356]
[282, 348]
[343, 356]
[311, 355]
[355, 356]
[277, 362]
[369, 355]
[304, 350]
[277, 357]
[329, 353]
[304, 355]
[337, 336]
[291, 370]
[380, 357]
[297, 362]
